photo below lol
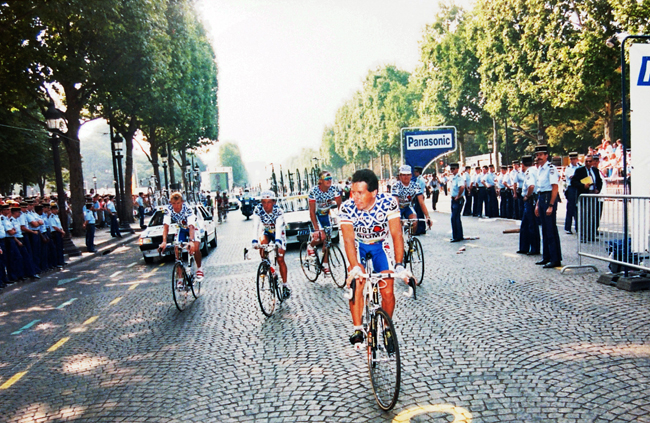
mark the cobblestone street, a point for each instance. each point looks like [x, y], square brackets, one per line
[490, 338]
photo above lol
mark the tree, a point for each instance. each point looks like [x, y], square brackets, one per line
[230, 156]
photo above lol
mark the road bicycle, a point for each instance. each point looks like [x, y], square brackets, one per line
[382, 347]
[413, 252]
[312, 265]
[269, 288]
[183, 276]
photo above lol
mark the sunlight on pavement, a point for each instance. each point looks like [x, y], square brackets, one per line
[460, 414]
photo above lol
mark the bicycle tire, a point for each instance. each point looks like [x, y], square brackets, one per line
[416, 261]
[338, 267]
[180, 290]
[310, 265]
[194, 283]
[384, 367]
[265, 290]
[279, 288]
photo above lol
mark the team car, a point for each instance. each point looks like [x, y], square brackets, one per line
[151, 237]
[297, 221]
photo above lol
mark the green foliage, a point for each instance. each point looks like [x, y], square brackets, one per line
[231, 156]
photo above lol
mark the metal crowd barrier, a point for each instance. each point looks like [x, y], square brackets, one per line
[614, 229]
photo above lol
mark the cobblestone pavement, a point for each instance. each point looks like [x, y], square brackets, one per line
[490, 338]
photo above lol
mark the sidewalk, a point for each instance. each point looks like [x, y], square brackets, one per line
[104, 244]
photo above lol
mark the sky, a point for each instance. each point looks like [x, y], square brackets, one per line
[286, 66]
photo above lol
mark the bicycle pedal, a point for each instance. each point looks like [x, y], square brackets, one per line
[359, 346]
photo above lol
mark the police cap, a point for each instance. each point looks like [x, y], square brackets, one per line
[504, 167]
[527, 160]
[417, 169]
[14, 208]
[543, 148]
[453, 166]
[596, 157]
[573, 155]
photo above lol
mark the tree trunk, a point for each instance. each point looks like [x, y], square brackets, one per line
[172, 175]
[128, 169]
[494, 154]
[461, 147]
[608, 129]
[183, 167]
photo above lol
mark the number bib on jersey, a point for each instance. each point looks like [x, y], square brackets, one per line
[323, 199]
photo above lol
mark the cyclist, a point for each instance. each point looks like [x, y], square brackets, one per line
[177, 211]
[366, 219]
[268, 221]
[321, 199]
[405, 192]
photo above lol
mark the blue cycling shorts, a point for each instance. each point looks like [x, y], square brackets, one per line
[270, 236]
[183, 235]
[380, 252]
[323, 222]
[406, 212]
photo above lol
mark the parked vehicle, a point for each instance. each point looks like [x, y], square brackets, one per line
[298, 223]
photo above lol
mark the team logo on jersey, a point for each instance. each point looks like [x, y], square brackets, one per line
[377, 229]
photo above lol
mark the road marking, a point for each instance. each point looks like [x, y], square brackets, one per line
[460, 414]
[27, 326]
[58, 344]
[91, 320]
[64, 281]
[115, 301]
[511, 255]
[67, 303]
[161, 264]
[15, 378]
[132, 287]
[130, 265]
[116, 273]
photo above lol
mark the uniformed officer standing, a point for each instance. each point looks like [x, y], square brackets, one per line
[112, 211]
[140, 201]
[483, 199]
[467, 210]
[457, 201]
[547, 200]
[3, 257]
[503, 184]
[57, 235]
[476, 198]
[529, 230]
[13, 259]
[417, 177]
[517, 181]
[89, 225]
[571, 194]
[26, 262]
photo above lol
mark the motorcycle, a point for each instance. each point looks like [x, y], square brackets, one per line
[247, 206]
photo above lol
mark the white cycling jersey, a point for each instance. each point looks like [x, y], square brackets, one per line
[372, 225]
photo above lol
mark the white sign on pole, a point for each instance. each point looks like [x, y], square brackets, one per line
[640, 141]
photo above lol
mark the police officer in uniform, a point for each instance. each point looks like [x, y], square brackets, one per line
[503, 184]
[517, 180]
[457, 201]
[476, 199]
[467, 210]
[529, 230]
[548, 179]
[112, 211]
[89, 225]
[571, 194]
[25, 256]
[57, 235]
[3, 256]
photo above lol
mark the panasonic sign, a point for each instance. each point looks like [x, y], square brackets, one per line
[420, 146]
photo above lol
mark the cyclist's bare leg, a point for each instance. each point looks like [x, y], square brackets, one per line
[264, 241]
[197, 254]
[282, 265]
[414, 225]
[387, 295]
[357, 308]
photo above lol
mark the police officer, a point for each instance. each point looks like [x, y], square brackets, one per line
[140, 201]
[89, 225]
[418, 179]
[546, 209]
[529, 230]
[467, 210]
[517, 180]
[476, 199]
[503, 184]
[571, 193]
[483, 198]
[3, 256]
[57, 235]
[457, 201]
[25, 256]
[112, 211]
[493, 203]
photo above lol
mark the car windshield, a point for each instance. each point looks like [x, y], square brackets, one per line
[157, 218]
[293, 204]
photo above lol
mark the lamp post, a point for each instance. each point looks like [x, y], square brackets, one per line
[122, 206]
[197, 181]
[54, 119]
[163, 157]
[95, 183]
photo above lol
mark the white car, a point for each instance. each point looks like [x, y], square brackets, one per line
[151, 237]
[297, 221]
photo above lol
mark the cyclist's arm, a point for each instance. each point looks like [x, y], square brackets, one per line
[395, 227]
[163, 244]
[312, 214]
[256, 227]
[423, 207]
[338, 201]
[347, 230]
[279, 230]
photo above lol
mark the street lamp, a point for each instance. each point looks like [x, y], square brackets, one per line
[95, 183]
[54, 120]
[197, 182]
[163, 157]
[122, 207]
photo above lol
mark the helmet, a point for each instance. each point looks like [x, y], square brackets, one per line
[267, 195]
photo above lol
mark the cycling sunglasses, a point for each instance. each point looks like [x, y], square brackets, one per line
[327, 178]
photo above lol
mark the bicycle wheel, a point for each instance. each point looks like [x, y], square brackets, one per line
[384, 360]
[180, 288]
[338, 268]
[416, 261]
[265, 290]
[194, 283]
[309, 264]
